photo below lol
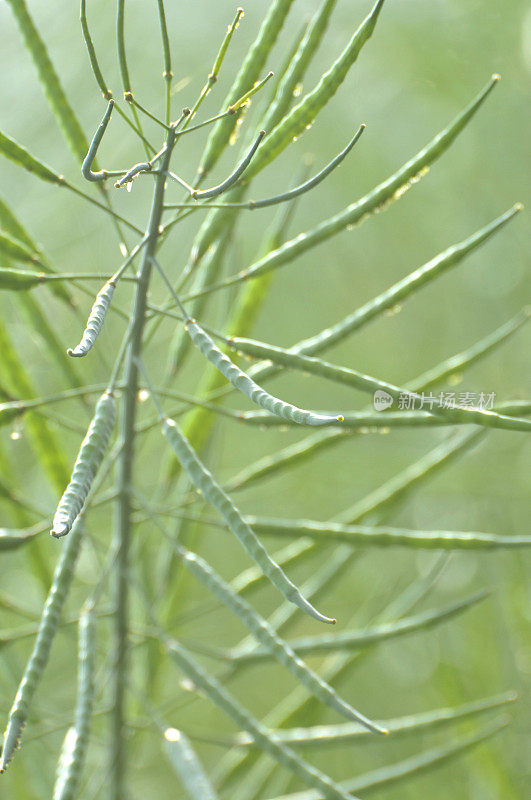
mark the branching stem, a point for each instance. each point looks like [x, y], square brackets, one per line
[124, 476]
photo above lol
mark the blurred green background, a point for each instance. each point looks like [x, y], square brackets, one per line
[424, 63]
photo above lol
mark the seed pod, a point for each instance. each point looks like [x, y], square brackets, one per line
[215, 495]
[304, 113]
[87, 464]
[76, 740]
[246, 385]
[234, 176]
[249, 71]
[41, 649]
[86, 167]
[95, 321]
[264, 633]
[262, 738]
[55, 95]
[145, 166]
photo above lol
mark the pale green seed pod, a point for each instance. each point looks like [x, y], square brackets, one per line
[245, 384]
[262, 738]
[215, 495]
[90, 456]
[76, 740]
[95, 321]
[271, 641]
[62, 579]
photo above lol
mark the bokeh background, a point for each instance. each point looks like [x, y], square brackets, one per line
[423, 64]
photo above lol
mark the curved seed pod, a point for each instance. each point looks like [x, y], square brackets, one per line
[41, 649]
[86, 167]
[280, 753]
[76, 740]
[247, 386]
[144, 166]
[95, 321]
[90, 455]
[278, 198]
[264, 633]
[385, 192]
[316, 366]
[313, 182]
[19, 280]
[215, 495]
[233, 177]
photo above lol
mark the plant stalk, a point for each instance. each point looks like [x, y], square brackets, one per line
[124, 479]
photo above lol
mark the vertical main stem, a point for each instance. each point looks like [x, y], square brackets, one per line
[124, 477]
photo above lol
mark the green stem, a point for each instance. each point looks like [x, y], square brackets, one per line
[124, 478]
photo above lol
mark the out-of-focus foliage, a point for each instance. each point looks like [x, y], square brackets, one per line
[424, 62]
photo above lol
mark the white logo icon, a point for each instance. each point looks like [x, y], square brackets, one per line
[382, 400]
